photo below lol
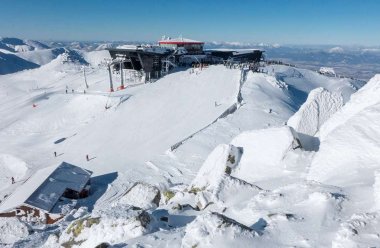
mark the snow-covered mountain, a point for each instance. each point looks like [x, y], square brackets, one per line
[18, 45]
[211, 157]
[356, 62]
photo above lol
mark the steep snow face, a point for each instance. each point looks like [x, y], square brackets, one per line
[214, 167]
[264, 153]
[365, 97]
[318, 108]
[349, 148]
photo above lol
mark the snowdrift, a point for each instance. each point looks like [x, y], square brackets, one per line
[263, 152]
[349, 141]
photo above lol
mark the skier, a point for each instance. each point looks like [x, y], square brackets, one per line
[87, 158]
[55, 154]
[13, 180]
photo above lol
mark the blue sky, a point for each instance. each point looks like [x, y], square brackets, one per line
[345, 22]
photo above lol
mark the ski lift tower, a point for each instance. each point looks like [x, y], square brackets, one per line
[122, 59]
[109, 64]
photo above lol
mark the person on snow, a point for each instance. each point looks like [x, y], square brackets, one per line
[13, 180]
[87, 158]
[55, 154]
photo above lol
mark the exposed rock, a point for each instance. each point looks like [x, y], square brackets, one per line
[112, 225]
[103, 245]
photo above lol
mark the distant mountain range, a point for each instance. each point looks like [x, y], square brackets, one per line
[353, 61]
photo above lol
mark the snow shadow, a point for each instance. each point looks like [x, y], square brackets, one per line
[168, 220]
[259, 226]
[63, 139]
[309, 143]
[59, 140]
[99, 185]
[299, 96]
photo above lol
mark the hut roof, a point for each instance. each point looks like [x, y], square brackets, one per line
[44, 188]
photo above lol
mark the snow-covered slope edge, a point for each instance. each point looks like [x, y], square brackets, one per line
[349, 151]
[349, 158]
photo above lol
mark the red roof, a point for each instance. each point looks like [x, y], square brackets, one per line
[180, 41]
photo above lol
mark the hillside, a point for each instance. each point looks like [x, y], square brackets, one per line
[205, 159]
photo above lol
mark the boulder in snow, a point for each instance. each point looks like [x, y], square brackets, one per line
[214, 183]
[217, 230]
[327, 71]
[12, 230]
[112, 225]
[222, 160]
[142, 195]
[264, 152]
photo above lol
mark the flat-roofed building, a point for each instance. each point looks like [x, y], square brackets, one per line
[46, 194]
[191, 46]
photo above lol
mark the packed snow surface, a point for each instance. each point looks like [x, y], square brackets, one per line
[11, 166]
